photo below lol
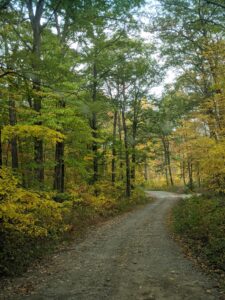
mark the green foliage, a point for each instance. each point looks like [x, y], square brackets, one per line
[200, 221]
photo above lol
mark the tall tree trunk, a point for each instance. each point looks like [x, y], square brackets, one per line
[114, 147]
[133, 166]
[59, 174]
[121, 143]
[128, 175]
[126, 145]
[167, 160]
[183, 172]
[167, 178]
[104, 160]
[190, 175]
[94, 127]
[13, 142]
[169, 164]
[134, 135]
[35, 15]
[133, 156]
[12, 119]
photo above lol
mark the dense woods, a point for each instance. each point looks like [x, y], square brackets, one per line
[80, 124]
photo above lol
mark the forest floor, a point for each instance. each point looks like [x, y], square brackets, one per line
[131, 256]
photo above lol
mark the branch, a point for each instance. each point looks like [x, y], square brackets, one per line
[6, 73]
[30, 9]
[215, 3]
[53, 14]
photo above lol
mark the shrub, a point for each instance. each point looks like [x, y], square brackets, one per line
[201, 221]
[27, 221]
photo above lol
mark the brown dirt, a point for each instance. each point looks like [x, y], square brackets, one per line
[128, 257]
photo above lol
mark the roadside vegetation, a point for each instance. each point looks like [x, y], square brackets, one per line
[34, 223]
[81, 129]
[200, 223]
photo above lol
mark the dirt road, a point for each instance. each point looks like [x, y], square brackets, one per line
[128, 257]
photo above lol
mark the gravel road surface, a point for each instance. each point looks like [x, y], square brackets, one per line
[128, 257]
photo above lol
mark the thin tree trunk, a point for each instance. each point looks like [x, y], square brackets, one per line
[167, 161]
[183, 172]
[128, 177]
[13, 142]
[190, 175]
[127, 156]
[12, 120]
[167, 178]
[114, 148]
[59, 174]
[120, 149]
[104, 160]
[133, 167]
[94, 127]
[134, 134]
[133, 156]
[169, 164]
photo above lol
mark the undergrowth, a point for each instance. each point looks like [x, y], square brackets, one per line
[33, 223]
[200, 222]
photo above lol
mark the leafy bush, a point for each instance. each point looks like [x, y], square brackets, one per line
[201, 221]
[31, 222]
[27, 221]
[213, 167]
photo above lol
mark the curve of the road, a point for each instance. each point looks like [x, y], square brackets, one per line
[129, 257]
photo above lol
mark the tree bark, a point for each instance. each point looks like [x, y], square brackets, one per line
[168, 170]
[35, 19]
[169, 164]
[59, 174]
[120, 148]
[12, 120]
[127, 156]
[190, 175]
[114, 147]
[133, 156]
[13, 142]
[183, 172]
[94, 127]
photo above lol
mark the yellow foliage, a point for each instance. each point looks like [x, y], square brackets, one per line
[28, 212]
[213, 166]
[204, 151]
[27, 131]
